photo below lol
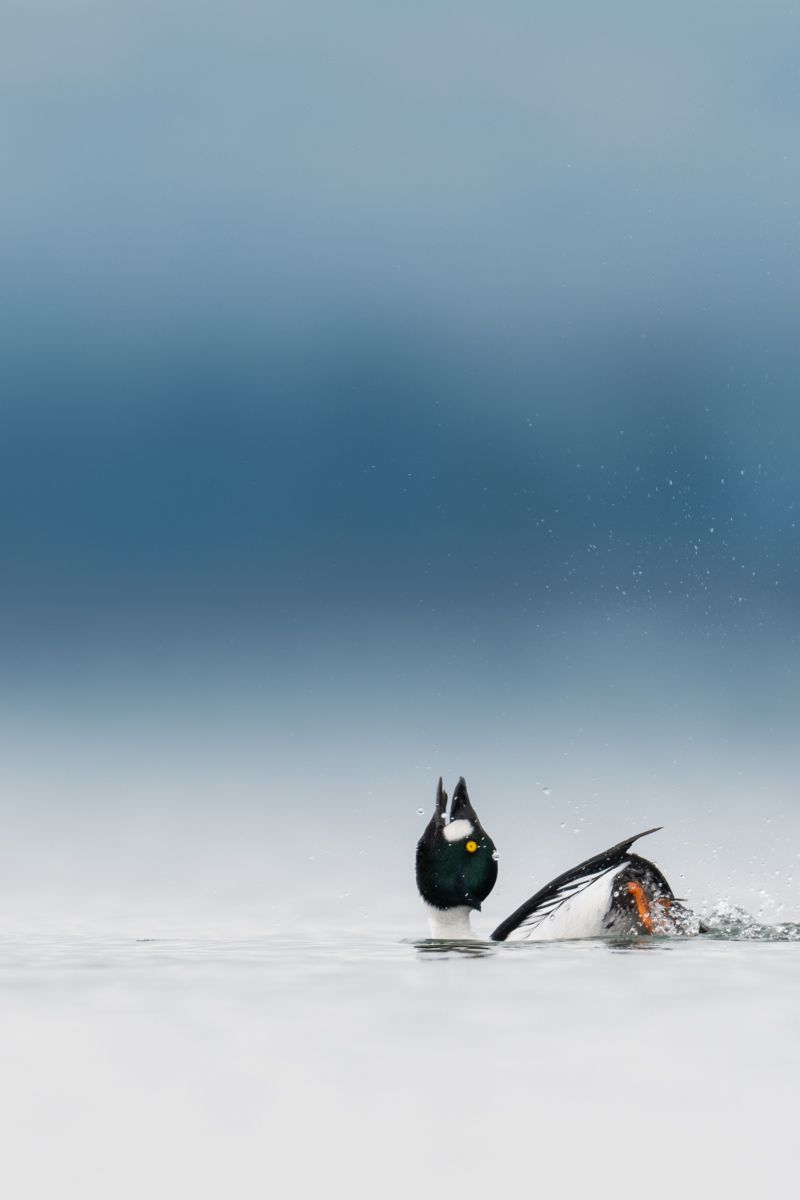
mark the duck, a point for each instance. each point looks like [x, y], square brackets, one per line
[616, 893]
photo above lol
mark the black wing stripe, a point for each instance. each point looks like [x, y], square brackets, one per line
[615, 856]
[552, 905]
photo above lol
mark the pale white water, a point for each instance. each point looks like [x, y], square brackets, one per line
[364, 1065]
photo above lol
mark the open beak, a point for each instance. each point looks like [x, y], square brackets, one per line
[461, 808]
[440, 814]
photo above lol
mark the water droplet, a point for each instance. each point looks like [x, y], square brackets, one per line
[563, 824]
[496, 855]
[420, 812]
[546, 791]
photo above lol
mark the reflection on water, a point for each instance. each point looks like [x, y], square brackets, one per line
[335, 949]
[471, 949]
[726, 923]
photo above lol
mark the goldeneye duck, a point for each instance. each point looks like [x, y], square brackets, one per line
[456, 864]
[614, 894]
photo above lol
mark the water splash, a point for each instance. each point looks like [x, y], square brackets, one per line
[732, 923]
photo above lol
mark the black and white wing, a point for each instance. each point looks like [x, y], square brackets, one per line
[574, 905]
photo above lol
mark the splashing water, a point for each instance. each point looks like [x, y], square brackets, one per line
[733, 923]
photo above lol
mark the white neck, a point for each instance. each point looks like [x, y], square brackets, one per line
[449, 924]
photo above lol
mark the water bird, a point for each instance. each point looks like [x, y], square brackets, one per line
[613, 894]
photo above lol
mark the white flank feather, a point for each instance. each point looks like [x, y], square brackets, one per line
[578, 910]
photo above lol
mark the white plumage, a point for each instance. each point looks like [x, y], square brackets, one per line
[577, 910]
[450, 923]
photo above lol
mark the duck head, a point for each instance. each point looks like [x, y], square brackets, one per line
[456, 859]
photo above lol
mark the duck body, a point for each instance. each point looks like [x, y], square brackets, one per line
[456, 865]
[613, 894]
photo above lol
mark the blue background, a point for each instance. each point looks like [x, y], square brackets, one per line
[388, 392]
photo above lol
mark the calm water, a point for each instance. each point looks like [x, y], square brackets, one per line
[368, 1065]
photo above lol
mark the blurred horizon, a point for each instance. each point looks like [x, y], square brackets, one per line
[388, 394]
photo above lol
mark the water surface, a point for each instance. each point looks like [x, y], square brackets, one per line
[363, 1064]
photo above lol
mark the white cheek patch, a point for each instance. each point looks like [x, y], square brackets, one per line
[456, 831]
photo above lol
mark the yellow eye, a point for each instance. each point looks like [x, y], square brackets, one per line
[471, 847]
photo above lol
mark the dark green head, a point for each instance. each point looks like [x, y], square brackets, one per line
[456, 859]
